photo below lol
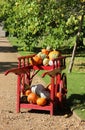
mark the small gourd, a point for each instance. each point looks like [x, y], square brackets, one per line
[45, 61]
[50, 62]
[42, 55]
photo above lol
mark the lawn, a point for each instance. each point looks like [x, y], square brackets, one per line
[75, 81]
[76, 86]
[76, 93]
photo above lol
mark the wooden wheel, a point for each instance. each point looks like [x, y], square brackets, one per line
[64, 86]
[62, 90]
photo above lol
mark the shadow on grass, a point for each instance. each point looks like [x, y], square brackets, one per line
[80, 52]
[80, 65]
[76, 101]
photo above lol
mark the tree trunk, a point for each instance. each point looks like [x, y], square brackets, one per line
[75, 46]
[72, 58]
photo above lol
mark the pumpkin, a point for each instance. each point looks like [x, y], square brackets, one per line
[50, 87]
[54, 54]
[27, 92]
[58, 95]
[32, 62]
[36, 60]
[41, 101]
[45, 51]
[45, 61]
[32, 98]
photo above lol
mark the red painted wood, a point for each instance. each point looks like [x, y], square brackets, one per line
[34, 106]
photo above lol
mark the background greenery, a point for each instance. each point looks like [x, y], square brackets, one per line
[43, 22]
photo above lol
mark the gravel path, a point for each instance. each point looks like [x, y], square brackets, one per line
[25, 120]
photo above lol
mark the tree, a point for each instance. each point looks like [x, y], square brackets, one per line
[42, 22]
[77, 42]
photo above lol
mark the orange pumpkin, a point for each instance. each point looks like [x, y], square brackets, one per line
[27, 92]
[58, 95]
[36, 60]
[41, 101]
[50, 87]
[45, 51]
[32, 98]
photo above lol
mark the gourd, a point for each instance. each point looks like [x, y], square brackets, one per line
[45, 61]
[41, 101]
[40, 91]
[45, 94]
[42, 55]
[58, 95]
[45, 51]
[36, 60]
[33, 88]
[50, 62]
[37, 89]
[32, 98]
[54, 54]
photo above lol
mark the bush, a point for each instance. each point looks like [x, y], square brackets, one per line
[39, 22]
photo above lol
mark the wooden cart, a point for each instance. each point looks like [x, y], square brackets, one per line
[25, 73]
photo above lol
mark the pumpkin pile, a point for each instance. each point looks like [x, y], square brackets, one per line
[37, 94]
[45, 57]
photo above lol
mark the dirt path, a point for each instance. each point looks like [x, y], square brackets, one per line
[32, 120]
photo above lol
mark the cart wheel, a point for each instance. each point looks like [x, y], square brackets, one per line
[64, 87]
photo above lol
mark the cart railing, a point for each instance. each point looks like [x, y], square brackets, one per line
[59, 62]
[24, 65]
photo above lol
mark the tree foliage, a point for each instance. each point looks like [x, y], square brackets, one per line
[43, 22]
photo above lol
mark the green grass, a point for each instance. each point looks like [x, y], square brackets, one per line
[75, 81]
[76, 93]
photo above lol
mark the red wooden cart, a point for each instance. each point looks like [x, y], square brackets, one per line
[25, 73]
